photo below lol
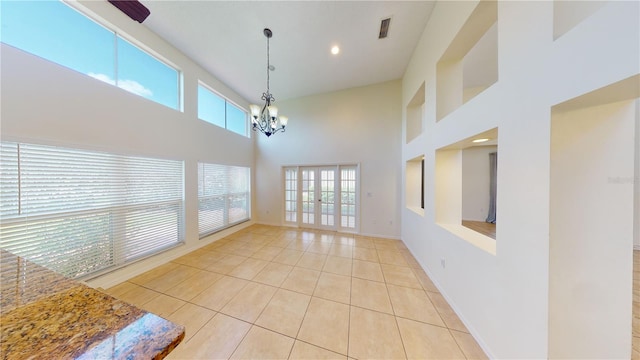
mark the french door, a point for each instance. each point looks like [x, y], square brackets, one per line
[326, 199]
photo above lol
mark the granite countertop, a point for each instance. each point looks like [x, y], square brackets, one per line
[45, 315]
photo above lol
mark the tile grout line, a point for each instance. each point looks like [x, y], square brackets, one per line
[395, 317]
[293, 266]
[457, 344]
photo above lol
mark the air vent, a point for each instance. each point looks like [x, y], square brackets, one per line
[384, 28]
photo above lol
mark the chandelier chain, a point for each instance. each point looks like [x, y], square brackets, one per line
[268, 64]
[267, 120]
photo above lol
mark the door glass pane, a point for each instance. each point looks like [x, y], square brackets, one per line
[308, 196]
[290, 188]
[348, 197]
[327, 191]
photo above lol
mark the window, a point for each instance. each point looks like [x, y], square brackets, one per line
[216, 110]
[223, 196]
[79, 212]
[236, 119]
[144, 75]
[211, 107]
[59, 33]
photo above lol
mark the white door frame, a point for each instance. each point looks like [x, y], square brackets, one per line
[309, 195]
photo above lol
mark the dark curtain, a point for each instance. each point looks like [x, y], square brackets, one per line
[493, 186]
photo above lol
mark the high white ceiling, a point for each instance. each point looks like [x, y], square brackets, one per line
[225, 38]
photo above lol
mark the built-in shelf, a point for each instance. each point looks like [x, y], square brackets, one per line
[591, 218]
[470, 64]
[462, 187]
[568, 14]
[415, 115]
[414, 185]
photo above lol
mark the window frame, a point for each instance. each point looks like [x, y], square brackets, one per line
[308, 184]
[117, 34]
[227, 101]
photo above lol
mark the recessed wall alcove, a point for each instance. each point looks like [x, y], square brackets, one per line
[414, 185]
[568, 14]
[591, 227]
[461, 188]
[415, 115]
[470, 64]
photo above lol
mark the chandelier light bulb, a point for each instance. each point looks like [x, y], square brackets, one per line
[255, 110]
[273, 111]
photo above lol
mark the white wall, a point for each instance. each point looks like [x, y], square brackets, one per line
[591, 231]
[43, 102]
[636, 237]
[475, 182]
[504, 298]
[355, 126]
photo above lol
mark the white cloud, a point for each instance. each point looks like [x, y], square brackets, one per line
[135, 87]
[129, 85]
[102, 77]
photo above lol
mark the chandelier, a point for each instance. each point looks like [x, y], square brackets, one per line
[267, 119]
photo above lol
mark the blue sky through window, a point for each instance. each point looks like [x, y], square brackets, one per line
[56, 32]
[236, 120]
[142, 74]
[211, 107]
[216, 110]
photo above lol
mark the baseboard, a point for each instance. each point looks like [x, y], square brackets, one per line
[483, 345]
[380, 236]
[636, 247]
[270, 224]
[338, 231]
[128, 271]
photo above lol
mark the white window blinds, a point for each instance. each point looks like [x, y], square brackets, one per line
[224, 194]
[79, 212]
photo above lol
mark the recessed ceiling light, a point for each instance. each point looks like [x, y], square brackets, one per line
[335, 50]
[480, 140]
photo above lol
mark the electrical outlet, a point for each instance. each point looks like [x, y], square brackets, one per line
[443, 263]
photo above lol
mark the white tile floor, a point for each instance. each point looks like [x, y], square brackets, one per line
[280, 293]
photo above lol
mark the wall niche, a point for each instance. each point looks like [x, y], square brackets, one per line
[461, 188]
[470, 64]
[415, 115]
